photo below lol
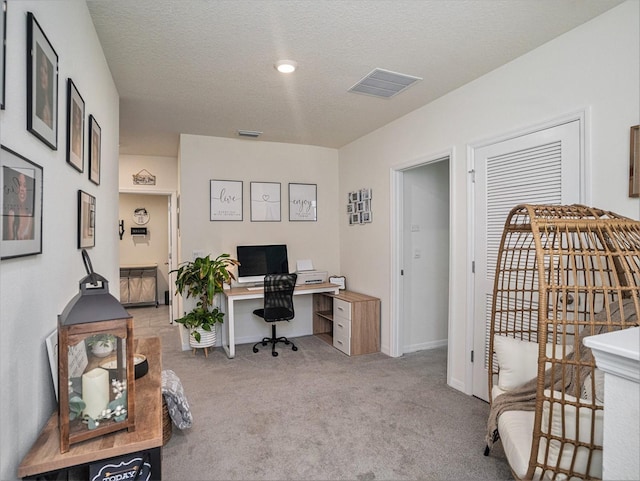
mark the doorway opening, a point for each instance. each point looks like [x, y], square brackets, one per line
[158, 245]
[420, 196]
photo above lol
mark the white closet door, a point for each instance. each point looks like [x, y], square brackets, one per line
[542, 167]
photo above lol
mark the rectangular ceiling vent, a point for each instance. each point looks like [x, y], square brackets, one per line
[383, 83]
[249, 133]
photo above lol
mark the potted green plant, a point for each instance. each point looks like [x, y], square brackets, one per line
[202, 279]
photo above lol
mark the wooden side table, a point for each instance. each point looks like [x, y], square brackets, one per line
[45, 456]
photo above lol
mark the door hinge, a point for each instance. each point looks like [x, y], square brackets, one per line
[471, 356]
[473, 267]
[472, 172]
[402, 272]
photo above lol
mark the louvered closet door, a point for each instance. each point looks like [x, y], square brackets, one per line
[543, 167]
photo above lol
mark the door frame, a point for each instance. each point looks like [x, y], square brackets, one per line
[584, 121]
[396, 212]
[172, 195]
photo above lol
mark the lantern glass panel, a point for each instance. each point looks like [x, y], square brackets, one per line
[97, 381]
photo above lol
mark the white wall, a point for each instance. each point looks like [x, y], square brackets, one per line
[165, 170]
[204, 158]
[152, 248]
[35, 289]
[594, 67]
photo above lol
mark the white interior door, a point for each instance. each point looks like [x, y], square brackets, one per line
[542, 167]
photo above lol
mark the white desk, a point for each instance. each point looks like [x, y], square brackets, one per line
[236, 294]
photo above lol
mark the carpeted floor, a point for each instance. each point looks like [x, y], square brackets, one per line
[317, 414]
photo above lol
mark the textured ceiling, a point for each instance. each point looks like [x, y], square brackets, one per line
[206, 67]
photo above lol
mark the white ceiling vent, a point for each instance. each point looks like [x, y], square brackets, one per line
[383, 83]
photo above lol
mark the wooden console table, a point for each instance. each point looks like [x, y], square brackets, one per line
[45, 456]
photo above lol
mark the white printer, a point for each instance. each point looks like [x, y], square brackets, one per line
[308, 275]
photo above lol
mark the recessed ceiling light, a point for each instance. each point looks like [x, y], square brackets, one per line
[286, 66]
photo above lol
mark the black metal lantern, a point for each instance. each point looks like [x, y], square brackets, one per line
[95, 363]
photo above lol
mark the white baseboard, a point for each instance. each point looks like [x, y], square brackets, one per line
[425, 345]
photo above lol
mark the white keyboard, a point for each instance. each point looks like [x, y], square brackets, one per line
[254, 288]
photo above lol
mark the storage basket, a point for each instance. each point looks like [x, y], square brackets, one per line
[167, 424]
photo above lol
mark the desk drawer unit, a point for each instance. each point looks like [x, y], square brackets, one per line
[342, 326]
[348, 320]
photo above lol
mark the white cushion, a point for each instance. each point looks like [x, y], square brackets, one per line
[496, 391]
[598, 380]
[516, 436]
[567, 427]
[518, 360]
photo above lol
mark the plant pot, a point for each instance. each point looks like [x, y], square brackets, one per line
[102, 349]
[207, 338]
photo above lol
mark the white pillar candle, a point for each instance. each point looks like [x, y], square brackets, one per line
[95, 391]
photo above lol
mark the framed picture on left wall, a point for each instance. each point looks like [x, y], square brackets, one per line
[3, 49]
[75, 127]
[86, 220]
[95, 139]
[42, 85]
[21, 208]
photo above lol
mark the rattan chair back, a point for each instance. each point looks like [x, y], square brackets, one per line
[564, 272]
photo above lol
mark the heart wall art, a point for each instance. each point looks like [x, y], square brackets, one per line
[265, 201]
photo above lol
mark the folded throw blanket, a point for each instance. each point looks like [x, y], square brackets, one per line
[523, 398]
[177, 403]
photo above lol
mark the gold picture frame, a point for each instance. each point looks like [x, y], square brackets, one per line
[634, 162]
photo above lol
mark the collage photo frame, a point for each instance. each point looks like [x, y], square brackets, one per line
[359, 207]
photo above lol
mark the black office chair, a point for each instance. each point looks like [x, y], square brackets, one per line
[278, 306]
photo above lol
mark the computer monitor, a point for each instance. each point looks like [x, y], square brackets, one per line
[257, 261]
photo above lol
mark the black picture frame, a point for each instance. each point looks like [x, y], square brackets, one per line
[225, 200]
[21, 208]
[634, 161]
[95, 141]
[75, 127]
[3, 52]
[303, 202]
[265, 201]
[42, 85]
[86, 220]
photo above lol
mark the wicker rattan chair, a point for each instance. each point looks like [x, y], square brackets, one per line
[562, 273]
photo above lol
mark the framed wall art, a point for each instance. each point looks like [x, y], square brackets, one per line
[3, 50]
[359, 207]
[75, 127]
[634, 162]
[95, 139]
[226, 199]
[303, 202]
[42, 85]
[86, 220]
[265, 201]
[21, 205]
